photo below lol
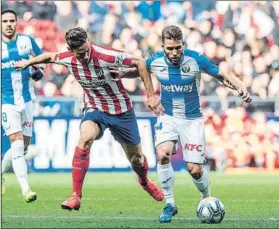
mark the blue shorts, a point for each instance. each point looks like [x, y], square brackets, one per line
[123, 127]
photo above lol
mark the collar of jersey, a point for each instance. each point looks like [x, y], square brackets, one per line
[11, 42]
[170, 64]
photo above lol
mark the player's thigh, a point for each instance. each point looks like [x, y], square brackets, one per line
[166, 132]
[11, 121]
[89, 130]
[27, 119]
[192, 138]
[92, 125]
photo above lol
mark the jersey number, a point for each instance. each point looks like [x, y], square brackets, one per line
[4, 116]
[159, 126]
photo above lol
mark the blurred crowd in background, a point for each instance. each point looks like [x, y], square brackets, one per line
[242, 37]
[237, 139]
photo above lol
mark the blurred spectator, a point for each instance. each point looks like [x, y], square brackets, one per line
[150, 10]
[44, 10]
[240, 140]
[65, 18]
[201, 8]
[24, 9]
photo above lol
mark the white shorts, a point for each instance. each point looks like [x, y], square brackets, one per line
[189, 132]
[18, 118]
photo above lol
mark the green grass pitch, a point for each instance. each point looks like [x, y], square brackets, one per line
[115, 200]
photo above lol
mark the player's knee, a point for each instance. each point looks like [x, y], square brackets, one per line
[15, 137]
[86, 138]
[195, 170]
[26, 146]
[26, 142]
[85, 141]
[17, 149]
[163, 156]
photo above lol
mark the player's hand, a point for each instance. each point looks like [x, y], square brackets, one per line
[21, 65]
[115, 73]
[154, 104]
[244, 94]
[37, 74]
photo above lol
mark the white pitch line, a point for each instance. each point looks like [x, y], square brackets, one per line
[117, 199]
[74, 217]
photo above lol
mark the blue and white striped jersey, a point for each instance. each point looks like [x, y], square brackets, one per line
[17, 88]
[180, 83]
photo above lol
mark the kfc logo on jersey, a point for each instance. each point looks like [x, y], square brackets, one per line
[27, 124]
[193, 147]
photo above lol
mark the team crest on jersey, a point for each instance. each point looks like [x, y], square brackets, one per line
[186, 69]
[99, 72]
[119, 59]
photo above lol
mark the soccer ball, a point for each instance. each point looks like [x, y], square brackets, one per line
[211, 210]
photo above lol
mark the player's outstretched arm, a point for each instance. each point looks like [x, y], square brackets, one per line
[234, 83]
[47, 57]
[153, 102]
[119, 73]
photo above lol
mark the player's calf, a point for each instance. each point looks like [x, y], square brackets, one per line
[147, 184]
[200, 179]
[141, 168]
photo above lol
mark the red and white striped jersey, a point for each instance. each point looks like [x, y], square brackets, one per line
[101, 92]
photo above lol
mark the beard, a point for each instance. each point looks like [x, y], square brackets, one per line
[175, 61]
[9, 34]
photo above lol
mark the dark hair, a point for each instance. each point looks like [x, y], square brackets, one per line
[172, 32]
[76, 37]
[9, 11]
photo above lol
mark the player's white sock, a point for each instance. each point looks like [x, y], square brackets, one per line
[166, 177]
[7, 161]
[202, 184]
[19, 165]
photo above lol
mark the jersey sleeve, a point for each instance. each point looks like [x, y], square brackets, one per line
[148, 62]
[61, 58]
[153, 57]
[112, 57]
[35, 48]
[205, 64]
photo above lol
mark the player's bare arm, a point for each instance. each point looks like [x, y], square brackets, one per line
[47, 57]
[153, 102]
[129, 73]
[235, 84]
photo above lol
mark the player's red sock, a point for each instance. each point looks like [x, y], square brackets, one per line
[142, 171]
[79, 168]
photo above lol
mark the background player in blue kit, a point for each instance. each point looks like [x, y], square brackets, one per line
[17, 99]
[179, 72]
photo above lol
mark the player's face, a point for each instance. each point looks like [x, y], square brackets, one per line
[83, 53]
[173, 50]
[8, 25]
